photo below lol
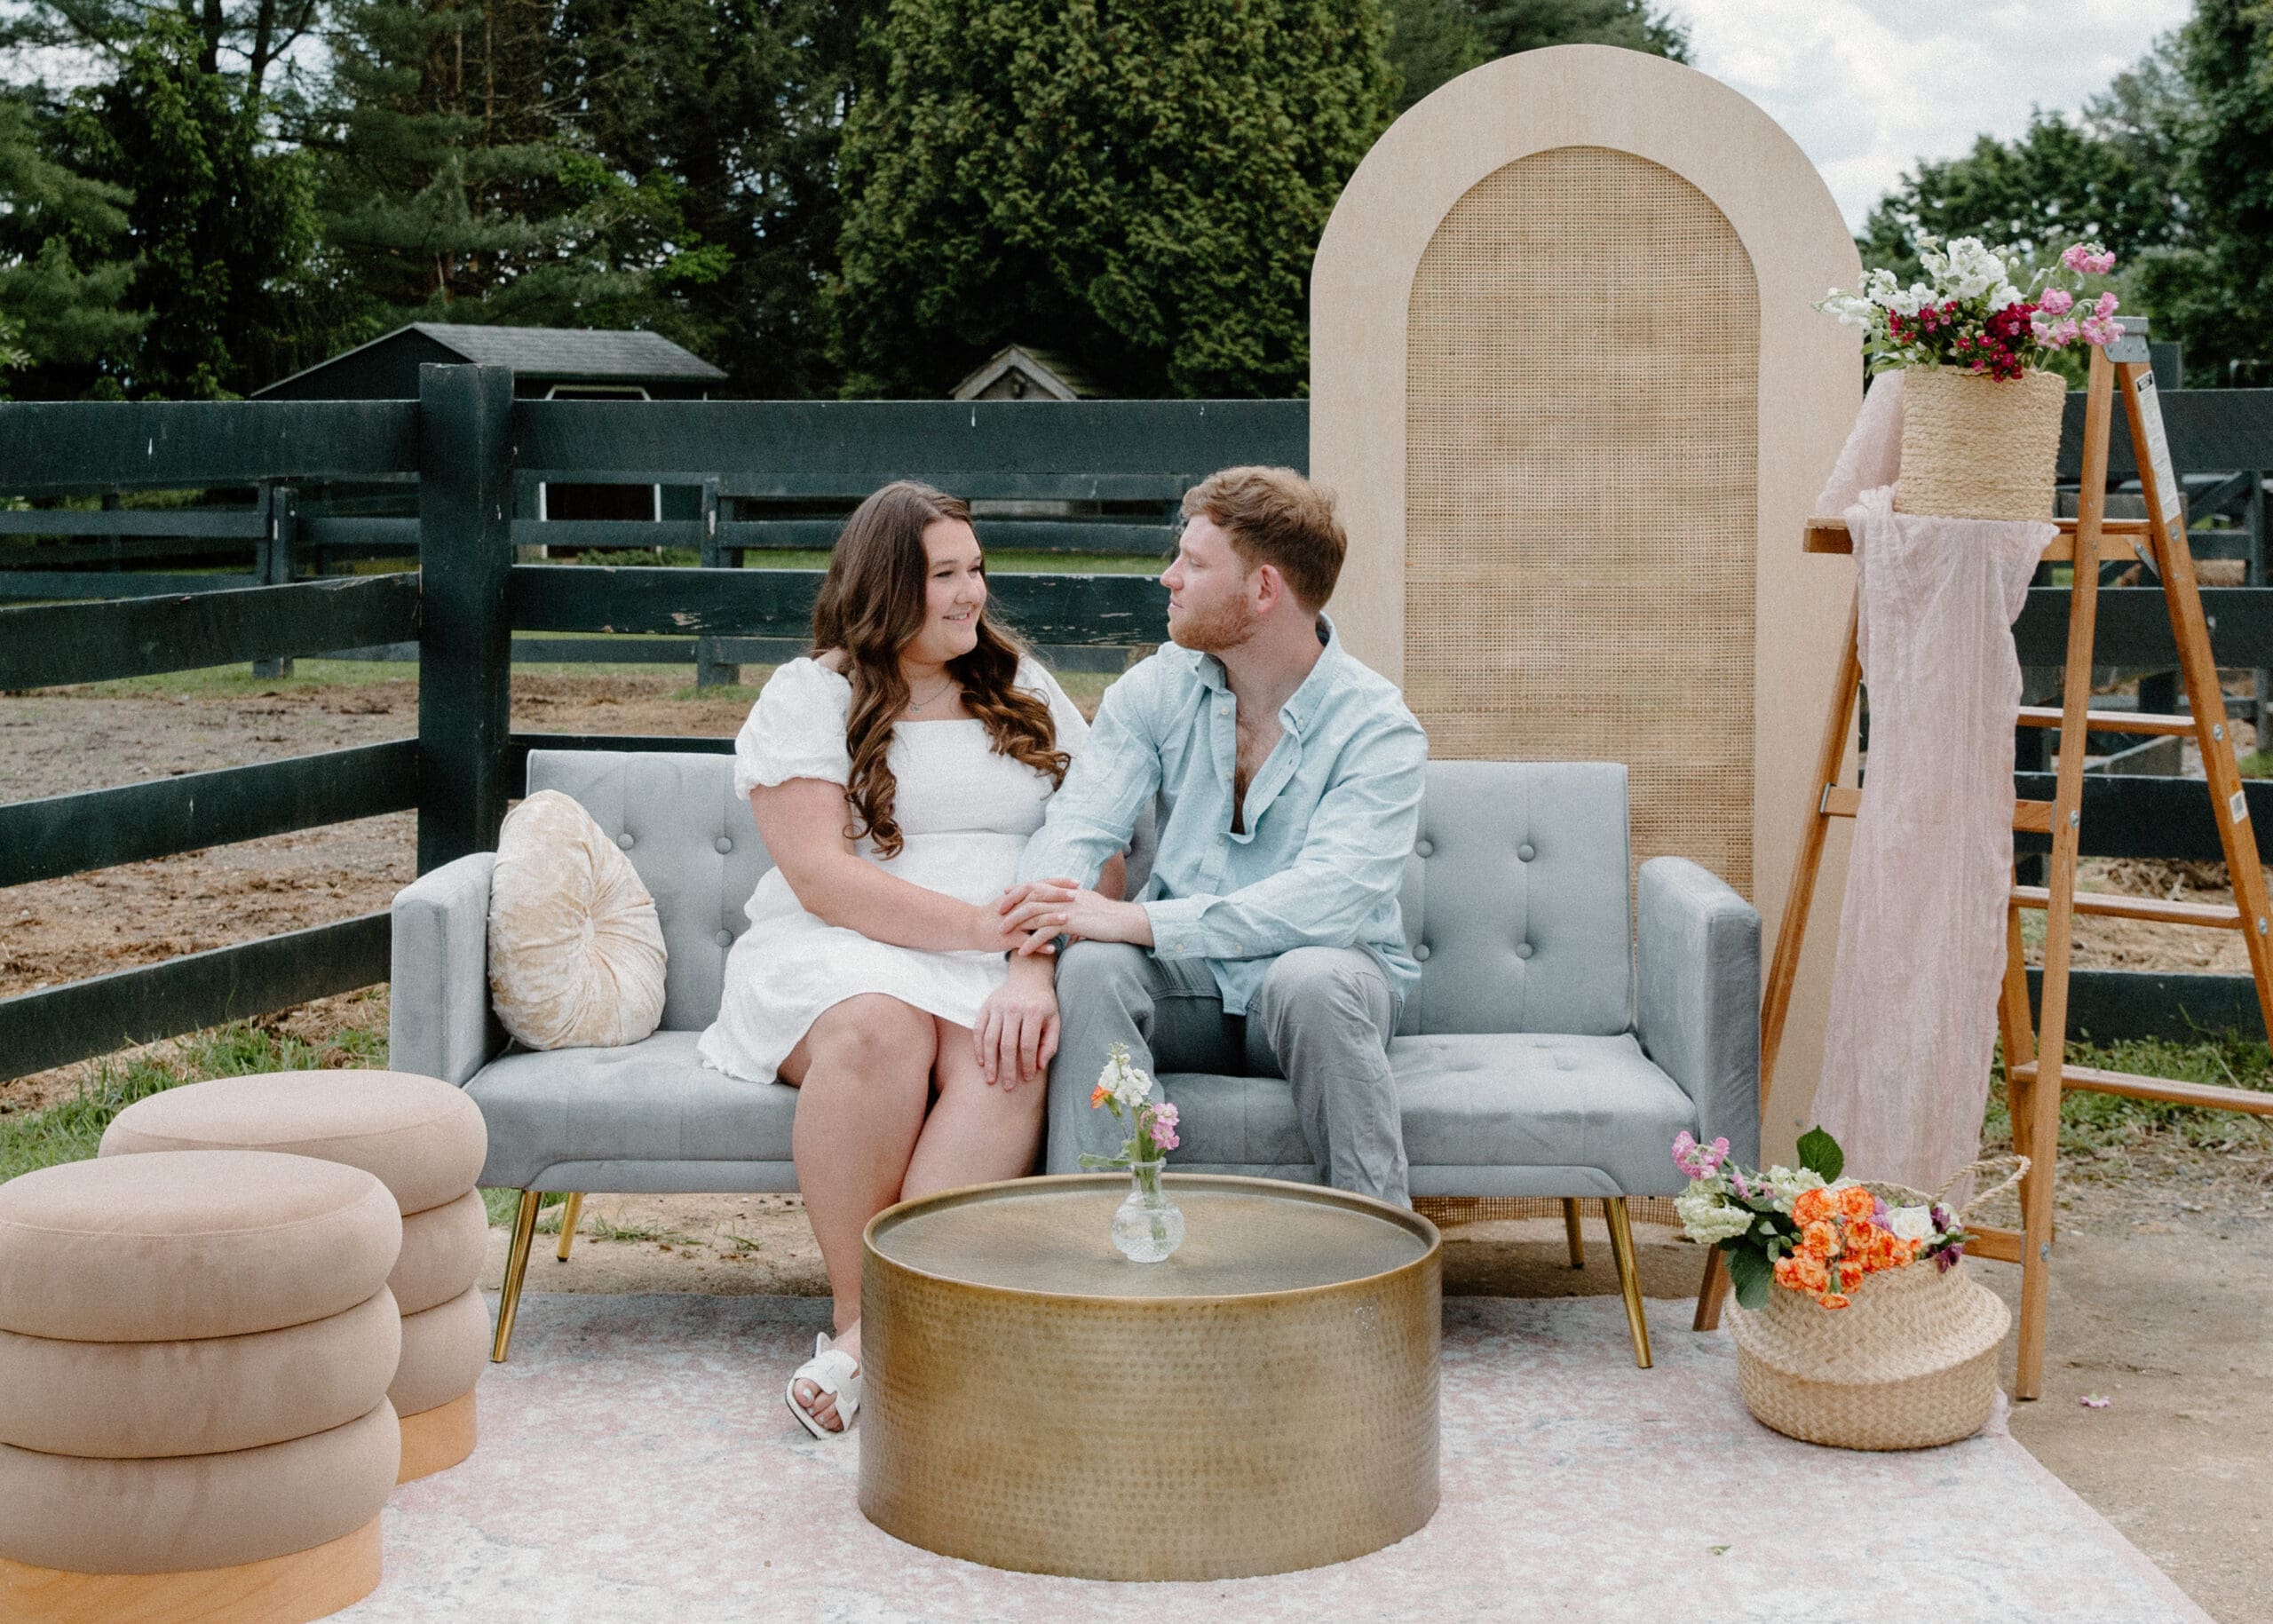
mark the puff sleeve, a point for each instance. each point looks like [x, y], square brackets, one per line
[796, 730]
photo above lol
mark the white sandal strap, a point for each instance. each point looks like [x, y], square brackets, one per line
[833, 1372]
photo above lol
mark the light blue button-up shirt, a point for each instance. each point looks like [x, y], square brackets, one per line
[1329, 820]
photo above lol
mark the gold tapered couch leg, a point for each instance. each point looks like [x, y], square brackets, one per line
[1630, 1274]
[516, 1265]
[568, 1224]
[1573, 1233]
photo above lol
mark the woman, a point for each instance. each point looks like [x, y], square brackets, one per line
[895, 775]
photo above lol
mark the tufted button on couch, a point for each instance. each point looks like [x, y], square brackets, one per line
[1552, 1048]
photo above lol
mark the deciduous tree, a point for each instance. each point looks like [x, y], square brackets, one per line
[1140, 184]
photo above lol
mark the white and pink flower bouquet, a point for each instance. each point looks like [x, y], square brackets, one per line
[1980, 310]
[1126, 1090]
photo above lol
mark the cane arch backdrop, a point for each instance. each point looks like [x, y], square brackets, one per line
[1567, 382]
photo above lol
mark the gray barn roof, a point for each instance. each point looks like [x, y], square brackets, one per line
[554, 354]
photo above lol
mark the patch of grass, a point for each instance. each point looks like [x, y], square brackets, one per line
[2257, 763]
[502, 1204]
[70, 1130]
[2108, 1124]
[598, 1228]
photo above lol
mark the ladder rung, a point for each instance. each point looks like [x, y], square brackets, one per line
[1830, 535]
[1999, 1246]
[2220, 915]
[2029, 816]
[2110, 721]
[2208, 1095]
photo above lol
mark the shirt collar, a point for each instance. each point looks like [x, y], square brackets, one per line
[1303, 702]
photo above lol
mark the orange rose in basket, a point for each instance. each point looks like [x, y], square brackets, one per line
[1811, 1207]
[1856, 1202]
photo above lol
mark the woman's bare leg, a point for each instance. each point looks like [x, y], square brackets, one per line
[978, 1131]
[864, 1076]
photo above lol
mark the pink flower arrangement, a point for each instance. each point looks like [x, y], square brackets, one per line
[1125, 1087]
[1980, 310]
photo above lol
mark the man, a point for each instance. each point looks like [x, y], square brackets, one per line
[1288, 779]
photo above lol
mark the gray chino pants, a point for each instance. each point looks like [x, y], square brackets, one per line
[1323, 1016]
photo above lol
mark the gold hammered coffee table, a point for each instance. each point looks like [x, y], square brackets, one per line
[1264, 1400]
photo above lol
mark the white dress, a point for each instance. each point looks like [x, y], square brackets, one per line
[965, 814]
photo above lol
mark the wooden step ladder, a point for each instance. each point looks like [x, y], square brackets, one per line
[2036, 1076]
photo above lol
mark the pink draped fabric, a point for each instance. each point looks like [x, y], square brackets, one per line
[1921, 931]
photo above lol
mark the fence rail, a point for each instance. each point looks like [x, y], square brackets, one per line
[469, 453]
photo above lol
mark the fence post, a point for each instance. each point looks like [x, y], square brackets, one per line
[709, 670]
[465, 516]
[272, 557]
[2253, 514]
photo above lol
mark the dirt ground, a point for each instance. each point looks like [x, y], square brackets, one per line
[2162, 1299]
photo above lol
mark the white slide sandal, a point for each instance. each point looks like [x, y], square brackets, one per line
[835, 1373]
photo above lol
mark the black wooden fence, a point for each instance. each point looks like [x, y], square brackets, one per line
[467, 451]
[466, 446]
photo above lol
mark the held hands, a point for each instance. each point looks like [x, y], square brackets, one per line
[993, 931]
[1046, 907]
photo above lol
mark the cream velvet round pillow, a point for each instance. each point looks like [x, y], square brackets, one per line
[575, 948]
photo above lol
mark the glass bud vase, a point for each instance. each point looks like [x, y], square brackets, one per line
[1147, 1227]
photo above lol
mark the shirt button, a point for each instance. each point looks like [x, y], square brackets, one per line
[1522, 950]
[1523, 853]
[1421, 952]
[624, 841]
[725, 844]
[1426, 848]
[725, 938]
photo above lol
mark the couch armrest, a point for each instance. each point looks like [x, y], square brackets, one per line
[1696, 1011]
[439, 1022]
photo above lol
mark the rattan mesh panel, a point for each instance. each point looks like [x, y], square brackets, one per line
[1581, 489]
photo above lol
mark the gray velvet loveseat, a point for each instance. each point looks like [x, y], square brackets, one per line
[1551, 1050]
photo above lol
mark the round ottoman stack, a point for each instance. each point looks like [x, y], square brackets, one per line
[195, 1353]
[425, 1141]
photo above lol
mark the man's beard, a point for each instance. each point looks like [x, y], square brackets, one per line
[1224, 628]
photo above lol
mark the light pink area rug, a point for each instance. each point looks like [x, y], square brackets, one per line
[637, 1467]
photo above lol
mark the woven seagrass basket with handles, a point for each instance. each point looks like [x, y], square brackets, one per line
[1911, 1362]
[1974, 446]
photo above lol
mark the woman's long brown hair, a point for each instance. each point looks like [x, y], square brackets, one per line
[871, 607]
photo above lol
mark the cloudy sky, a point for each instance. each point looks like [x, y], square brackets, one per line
[1868, 87]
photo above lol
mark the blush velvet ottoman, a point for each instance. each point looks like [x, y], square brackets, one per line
[425, 1141]
[195, 1353]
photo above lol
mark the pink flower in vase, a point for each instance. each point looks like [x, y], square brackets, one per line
[2057, 302]
[2105, 307]
[1163, 1128]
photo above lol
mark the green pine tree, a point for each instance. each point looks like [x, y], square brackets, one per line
[715, 125]
[457, 185]
[64, 262]
[221, 226]
[441, 183]
[1142, 186]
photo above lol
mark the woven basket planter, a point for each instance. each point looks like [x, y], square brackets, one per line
[1911, 1362]
[1979, 448]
